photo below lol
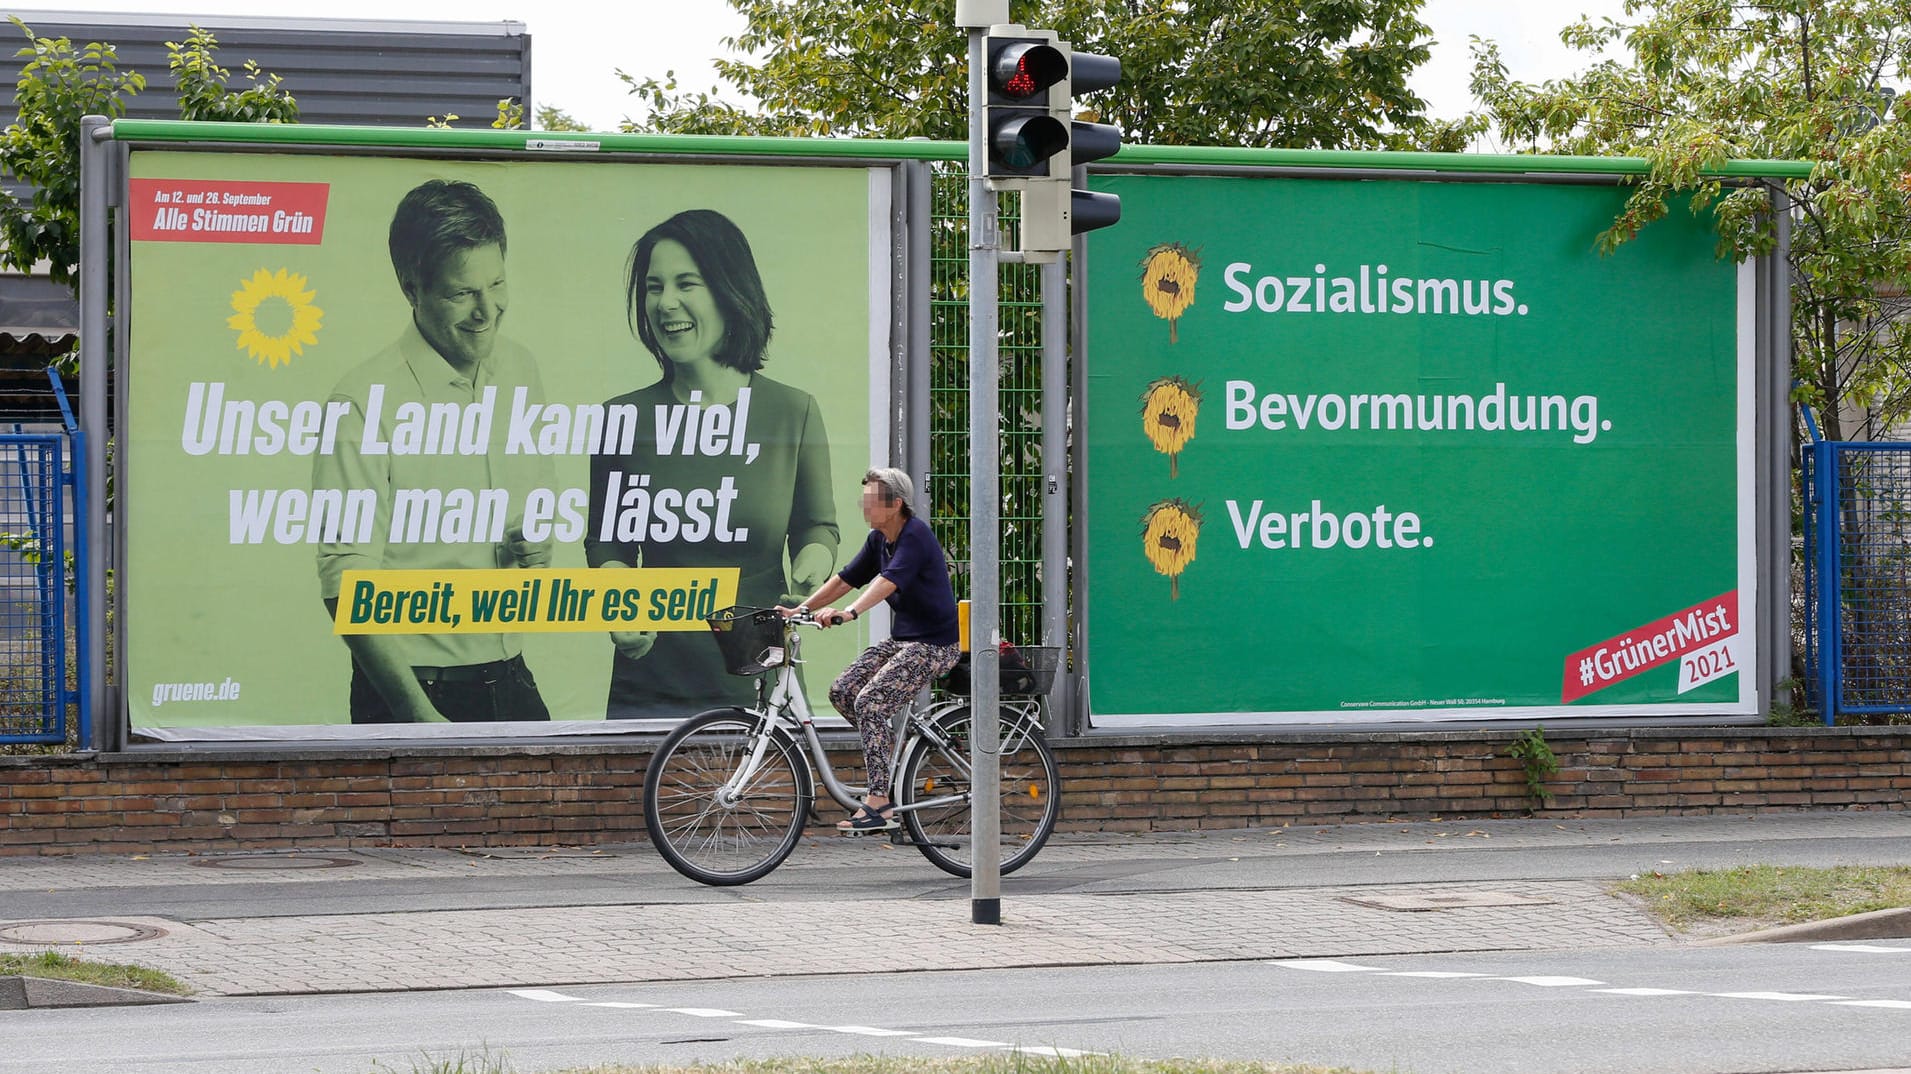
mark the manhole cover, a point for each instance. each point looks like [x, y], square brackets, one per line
[46, 933]
[275, 861]
[1456, 900]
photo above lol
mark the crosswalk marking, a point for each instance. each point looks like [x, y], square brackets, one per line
[545, 995]
[1329, 965]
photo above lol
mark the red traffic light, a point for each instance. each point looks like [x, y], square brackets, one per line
[1018, 70]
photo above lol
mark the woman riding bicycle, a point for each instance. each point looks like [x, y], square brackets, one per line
[900, 563]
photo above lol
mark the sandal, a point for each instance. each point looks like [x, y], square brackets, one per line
[870, 819]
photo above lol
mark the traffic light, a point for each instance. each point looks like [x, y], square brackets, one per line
[1034, 140]
[1023, 134]
[1091, 141]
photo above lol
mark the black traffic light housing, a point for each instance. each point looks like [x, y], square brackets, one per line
[1023, 134]
[1034, 141]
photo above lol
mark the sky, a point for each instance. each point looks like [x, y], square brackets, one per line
[579, 45]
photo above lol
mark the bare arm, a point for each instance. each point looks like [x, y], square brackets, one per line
[390, 674]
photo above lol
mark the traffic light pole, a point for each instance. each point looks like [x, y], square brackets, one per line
[985, 804]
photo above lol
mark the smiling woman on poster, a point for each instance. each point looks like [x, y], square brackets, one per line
[696, 301]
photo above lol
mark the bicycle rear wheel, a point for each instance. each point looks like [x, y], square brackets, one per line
[1030, 789]
[706, 825]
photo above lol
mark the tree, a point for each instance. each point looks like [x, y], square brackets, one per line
[41, 148]
[1713, 80]
[57, 86]
[1326, 73]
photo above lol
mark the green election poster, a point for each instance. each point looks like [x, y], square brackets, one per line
[452, 447]
[1368, 451]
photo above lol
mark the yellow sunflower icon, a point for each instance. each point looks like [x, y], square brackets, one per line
[1168, 410]
[1169, 531]
[274, 316]
[1168, 275]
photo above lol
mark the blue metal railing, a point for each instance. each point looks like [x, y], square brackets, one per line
[1857, 549]
[37, 692]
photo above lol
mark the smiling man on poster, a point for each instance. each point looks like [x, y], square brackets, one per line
[448, 248]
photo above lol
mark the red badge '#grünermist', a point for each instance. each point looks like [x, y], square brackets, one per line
[1619, 658]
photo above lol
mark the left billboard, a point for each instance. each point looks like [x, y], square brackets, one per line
[427, 447]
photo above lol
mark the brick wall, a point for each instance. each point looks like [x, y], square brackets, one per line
[231, 799]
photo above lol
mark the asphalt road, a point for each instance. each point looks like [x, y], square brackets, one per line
[1727, 1010]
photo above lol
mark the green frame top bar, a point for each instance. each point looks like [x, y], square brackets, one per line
[554, 142]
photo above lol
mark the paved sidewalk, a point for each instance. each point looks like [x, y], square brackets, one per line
[392, 919]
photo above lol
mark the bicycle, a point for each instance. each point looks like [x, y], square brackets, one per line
[728, 792]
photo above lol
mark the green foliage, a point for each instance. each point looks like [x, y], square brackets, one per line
[553, 118]
[510, 117]
[203, 92]
[1536, 761]
[1711, 80]
[1327, 73]
[57, 85]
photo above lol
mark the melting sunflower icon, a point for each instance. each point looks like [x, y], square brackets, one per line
[274, 316]
[1168, 410]
[1168, 275]
[1169, 531]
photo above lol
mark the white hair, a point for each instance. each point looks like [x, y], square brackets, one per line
[895, 484]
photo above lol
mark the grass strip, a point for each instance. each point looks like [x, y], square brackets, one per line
[1776, 894]
[53, 965]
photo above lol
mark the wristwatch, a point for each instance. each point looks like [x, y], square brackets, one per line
[853, 613]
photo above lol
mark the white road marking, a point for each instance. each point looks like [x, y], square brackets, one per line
[1862, 948]
[1551, 982]
[1328, 965]
[544, 995]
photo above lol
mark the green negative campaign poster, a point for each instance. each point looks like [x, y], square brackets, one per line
[418, 438]
[1370, 451]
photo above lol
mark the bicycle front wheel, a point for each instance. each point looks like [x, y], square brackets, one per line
[717, 812]
[1030, 793]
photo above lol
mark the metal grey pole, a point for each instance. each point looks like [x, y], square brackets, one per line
[985, 568]
[917, 363]
[1778, 418]
[1076, 694]
[1055, 473]
[94, 239]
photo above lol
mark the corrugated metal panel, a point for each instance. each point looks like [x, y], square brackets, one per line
[352, 71]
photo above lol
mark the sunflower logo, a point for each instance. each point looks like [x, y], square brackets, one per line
[1168, 275]
[1168, 410]
[1169, 531]
[274, 316]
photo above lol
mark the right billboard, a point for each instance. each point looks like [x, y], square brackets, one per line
[1373, 451]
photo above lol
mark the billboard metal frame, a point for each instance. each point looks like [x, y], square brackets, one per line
[106, 144]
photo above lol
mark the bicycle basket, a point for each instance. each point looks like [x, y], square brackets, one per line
[751, 639]
[1026, 671]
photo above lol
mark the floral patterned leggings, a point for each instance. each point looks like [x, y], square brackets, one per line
[879, 685]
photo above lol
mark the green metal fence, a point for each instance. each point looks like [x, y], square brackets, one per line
[1020, 345]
